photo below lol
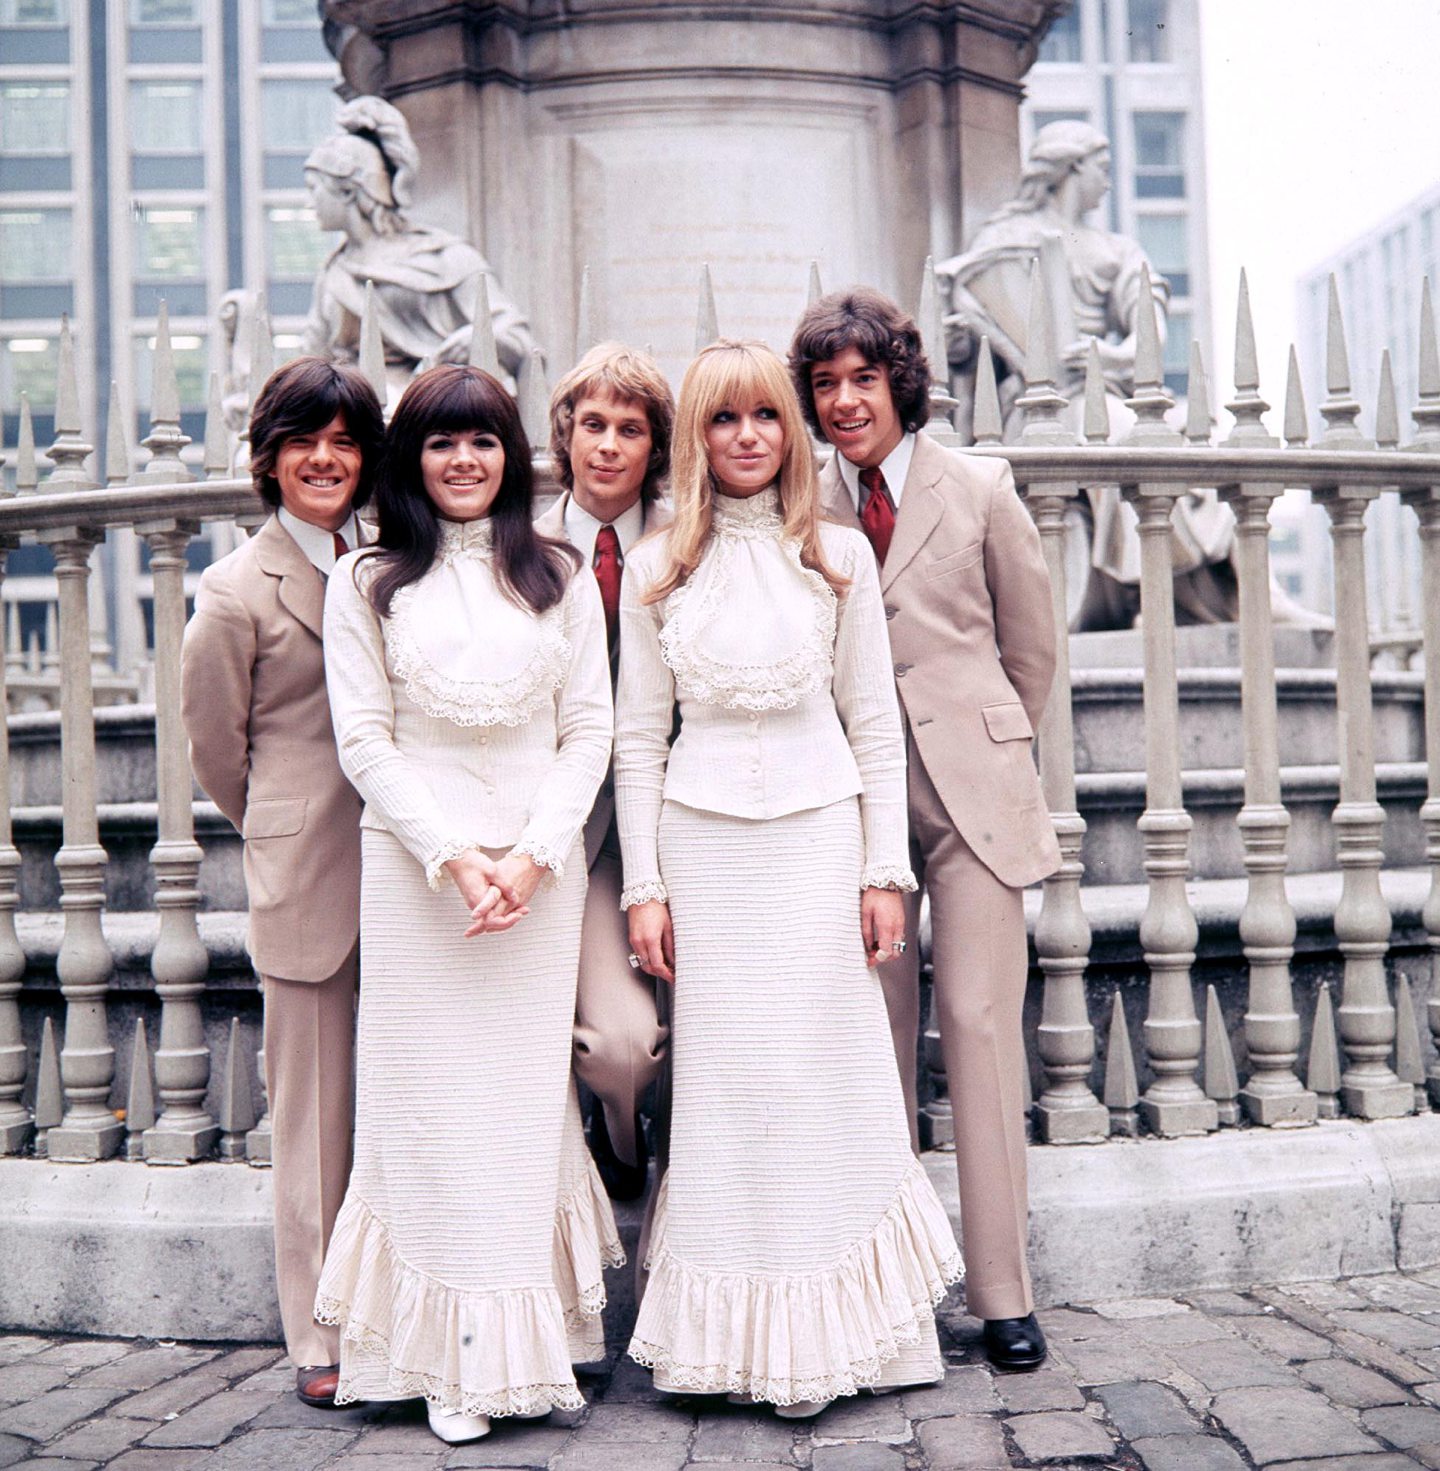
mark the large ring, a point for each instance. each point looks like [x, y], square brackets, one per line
[898, 947]
[634, 960]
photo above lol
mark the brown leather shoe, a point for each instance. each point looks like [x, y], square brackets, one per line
[316, 1385]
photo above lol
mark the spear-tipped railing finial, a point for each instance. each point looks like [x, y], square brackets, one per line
[1248, 407]
[27, 472]
[1096, 422]
[216, 461]
[1340, 410]
[814, 291]
[707, 323]
[1387, 411]
[117, 442]
[932, 337]
[165, 440]
[534, 399]
[1151, 400]
[585, 333]
[483, 353]
[1297, 418]
[1426, 412]
[1197, 407]
[70, 450]
[988, 424]
[1042, 404]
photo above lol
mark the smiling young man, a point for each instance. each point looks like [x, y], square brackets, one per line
[967, 600]
[610, 424]
[262, 746]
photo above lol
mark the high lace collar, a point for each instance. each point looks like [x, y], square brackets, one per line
[465, 536]
[754, 515]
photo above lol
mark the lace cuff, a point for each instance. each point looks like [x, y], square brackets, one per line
[435, 874]
[643, 893]
[888, 876]
[543, 857]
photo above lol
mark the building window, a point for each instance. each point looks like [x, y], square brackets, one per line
[1062, 40]
[34, 117]
[29, 365]
[165, 117]
[34, 12]
[1043, 119]
[1159, 155]
[296, 114]
[295, 246]
[288, 13]
[167, 244]
[35, 246]
[192, 370]
[164, 12]
[1165, 241]
[1149, 30]
[1178, 332]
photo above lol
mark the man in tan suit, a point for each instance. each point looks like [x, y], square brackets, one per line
[610, 424]
[261, 744]
[967, 598]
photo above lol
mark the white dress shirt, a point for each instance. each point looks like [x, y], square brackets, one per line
[317, 543]
[894, 467]
[464, 720]
[582, 528]
[786, 692]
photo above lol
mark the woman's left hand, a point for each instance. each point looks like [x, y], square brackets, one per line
[882, 923]
[516, 874]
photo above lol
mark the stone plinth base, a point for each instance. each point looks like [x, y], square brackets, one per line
[1202, 646]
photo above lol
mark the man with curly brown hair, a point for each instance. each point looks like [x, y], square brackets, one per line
[967, 598]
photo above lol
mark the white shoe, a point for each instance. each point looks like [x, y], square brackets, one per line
[803, 1409]
[740, 1397]
[455, 1428]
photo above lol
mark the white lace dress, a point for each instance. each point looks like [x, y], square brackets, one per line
[799, 1249]
[466, 1262]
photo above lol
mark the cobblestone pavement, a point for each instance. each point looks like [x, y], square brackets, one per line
[1330, 1376]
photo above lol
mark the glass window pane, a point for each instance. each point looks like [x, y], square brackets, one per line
[35, 245]
[35, 117]
[167, 244]
[1054, 115]
[1149, 30]
[164, 12]
[192, 369]
[165, 117]
[34, 12]
[29, 365]
[296, 114]
[1165, 239]
[289, 13]
[1177, 351]
[295, 245]
[1062, 40]
[1159, 155]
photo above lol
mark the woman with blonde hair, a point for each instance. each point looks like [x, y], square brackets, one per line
[799, 1249]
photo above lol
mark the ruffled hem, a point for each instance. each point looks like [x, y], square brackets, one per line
[586, 1242]
[644, 893]
[889, 876]
[784, 1339]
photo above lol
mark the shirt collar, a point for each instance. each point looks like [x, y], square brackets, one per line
[582, 528]
[317, 543]
[894, 467]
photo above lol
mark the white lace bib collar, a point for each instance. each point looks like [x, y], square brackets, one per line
[750, 629]
[464, 650]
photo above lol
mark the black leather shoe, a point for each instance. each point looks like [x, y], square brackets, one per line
[1015, 1343]
[621, 1181]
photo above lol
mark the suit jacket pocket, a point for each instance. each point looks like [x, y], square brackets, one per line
[274, 817]
[967, 556]
[1007, 721]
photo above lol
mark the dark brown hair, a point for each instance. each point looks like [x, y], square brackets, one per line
[305, 395]
[533, 570]
[886, 337]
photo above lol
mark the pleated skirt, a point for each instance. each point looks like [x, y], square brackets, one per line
[466, 1262]
[798, 1250]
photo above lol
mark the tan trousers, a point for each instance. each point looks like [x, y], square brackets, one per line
[980, 959]
[309, 1067]
[619, 1039]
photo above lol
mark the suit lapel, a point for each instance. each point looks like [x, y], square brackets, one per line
[551, 522]
[921, 505]
[836, 502]
[302, 589]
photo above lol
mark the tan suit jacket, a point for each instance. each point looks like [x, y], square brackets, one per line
[261, 744]
[964, 577]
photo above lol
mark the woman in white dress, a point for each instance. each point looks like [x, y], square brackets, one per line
[799, 1249]
[468, 679]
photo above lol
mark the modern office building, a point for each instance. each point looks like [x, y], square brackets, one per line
[1131, 68]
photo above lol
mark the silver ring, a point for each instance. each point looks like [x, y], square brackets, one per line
[898, 947]
[634, 960]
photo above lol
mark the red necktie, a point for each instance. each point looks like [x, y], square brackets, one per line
[877, 514]
[607, 565]
[339, 544]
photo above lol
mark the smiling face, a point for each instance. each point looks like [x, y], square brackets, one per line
[609, 454]
[461, 470]
[744, 445]
[318, 474]
[855, 407]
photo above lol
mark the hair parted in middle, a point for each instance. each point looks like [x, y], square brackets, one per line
[737, 375]
[614, 370]
[865, 319]
[533, 570]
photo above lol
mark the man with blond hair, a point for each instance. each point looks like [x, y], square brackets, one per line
[610, 423]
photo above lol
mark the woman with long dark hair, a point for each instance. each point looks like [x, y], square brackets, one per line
[470, 687]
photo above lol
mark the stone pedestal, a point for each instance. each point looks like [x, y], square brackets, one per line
[647, 140]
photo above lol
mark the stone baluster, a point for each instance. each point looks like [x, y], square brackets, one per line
[1174, 1102]
[707, 321]
[1369, 1086]
[1273, 1093]
[1426, 505]
[483, 352]
[15, 1122]
[89, 1129]
[50, 646]
[130, 649]
[930, 320]
[1067, 1112]
[371, 359]
[585, 334]
[183, 1131]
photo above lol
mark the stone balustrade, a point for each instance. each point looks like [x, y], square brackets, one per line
[1119, 951]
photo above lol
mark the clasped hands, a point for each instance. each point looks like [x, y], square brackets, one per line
[496, 892]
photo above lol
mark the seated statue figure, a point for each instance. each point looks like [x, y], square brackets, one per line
[1094, 288]
[360, 181]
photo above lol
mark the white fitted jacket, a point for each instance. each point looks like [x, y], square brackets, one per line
[464, 720]
[786, 691]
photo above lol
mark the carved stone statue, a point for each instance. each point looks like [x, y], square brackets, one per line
[360, 181]
[1094, 285]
